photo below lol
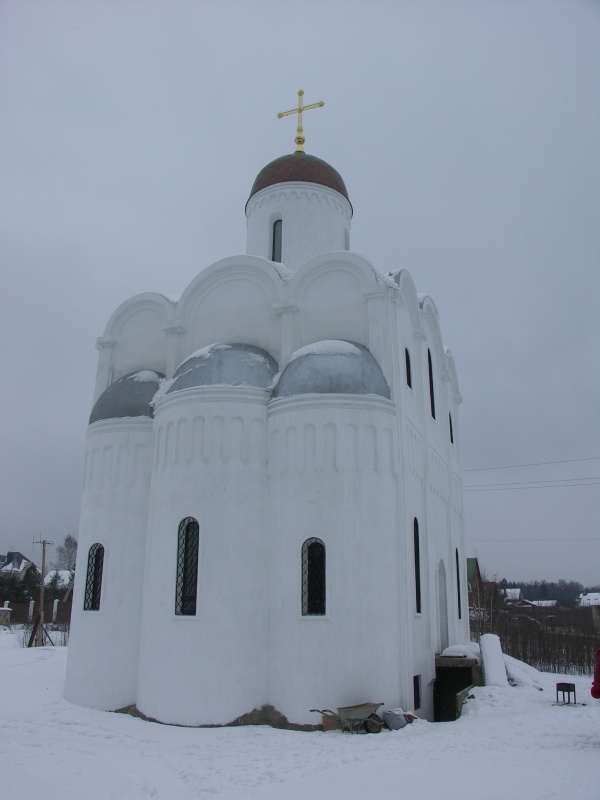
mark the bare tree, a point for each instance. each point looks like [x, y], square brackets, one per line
[66, 553]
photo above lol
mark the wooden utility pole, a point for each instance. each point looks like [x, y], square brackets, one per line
[40, 631]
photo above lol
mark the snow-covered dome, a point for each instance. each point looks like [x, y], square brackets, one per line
[299, 166]
[332, 367]
[130, 396]
[226, 365]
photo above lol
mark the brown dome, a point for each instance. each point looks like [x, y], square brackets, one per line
[299, 166]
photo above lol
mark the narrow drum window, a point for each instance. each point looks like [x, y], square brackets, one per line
[451, 430]
[417, 566]
[313, 578]
[408, 372]
[458, 585]
[93, 580]
[431, 394]
[186, 583]
[277, 238]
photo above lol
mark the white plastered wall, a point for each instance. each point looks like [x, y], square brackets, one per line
[209, 463]
[104, 644]
[333, 470]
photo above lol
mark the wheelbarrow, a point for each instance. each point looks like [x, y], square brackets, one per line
[355, 718]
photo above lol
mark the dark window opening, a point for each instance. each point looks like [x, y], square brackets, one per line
[417, 553]
[431, 394]
[186, 582]
[313, 578]
[408, 372]
[277, 238]
[417, 691]
[93, 580]
[458, 585]
[451, 431]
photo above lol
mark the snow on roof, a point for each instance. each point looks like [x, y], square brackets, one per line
[145, 375]
[543, 603]
[64, 577]
[329, 347]
[589, 599]
[465, 650]
[17, 564]
[511, 594]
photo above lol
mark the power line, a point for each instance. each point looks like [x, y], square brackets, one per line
[516, 488]
[523, 483]
[538, 464]
[576, 539]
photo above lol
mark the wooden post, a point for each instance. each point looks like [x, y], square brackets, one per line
[40, 630]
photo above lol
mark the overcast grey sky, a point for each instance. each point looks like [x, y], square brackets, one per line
[468, 137]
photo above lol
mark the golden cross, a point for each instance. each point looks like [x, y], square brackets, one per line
[299, 138]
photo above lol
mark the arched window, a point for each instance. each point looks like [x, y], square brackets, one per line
[186, 583]
[417, 553]
[93, 580]
[277, 239]
[313, 578]
[451, 431]
[408, 372]
[431, 394]
[458, 585]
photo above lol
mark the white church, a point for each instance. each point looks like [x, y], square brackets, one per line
[272, 509]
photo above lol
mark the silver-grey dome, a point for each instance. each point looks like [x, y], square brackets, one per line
[332, 367]
[226, 365]
[129, 396]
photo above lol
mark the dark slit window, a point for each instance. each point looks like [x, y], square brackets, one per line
[408, 372]
[277, 237]
[417, 554]
[431, 394]
[451, 430]
[458, 585]
[93, 580]
[313, 578]
[417, 691]
[187, 567]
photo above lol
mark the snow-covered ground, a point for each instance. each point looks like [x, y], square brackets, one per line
[510, 743]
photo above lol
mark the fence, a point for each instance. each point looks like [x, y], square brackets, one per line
[22, 613]
[552, 640]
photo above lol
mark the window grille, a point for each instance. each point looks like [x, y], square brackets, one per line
[458, 585]
[408, 371]
[313, 578]
[93, 580]
[431, 394]
[417, 553]
[186, 582]
[277, 240]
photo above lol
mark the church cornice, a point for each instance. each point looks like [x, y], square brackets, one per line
[312, 192]
[309, 402]
[212, 394]
[120, 425]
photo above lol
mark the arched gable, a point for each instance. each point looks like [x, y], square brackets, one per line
[410, 298]
[135, 335]
[433, 334]
[233, 300]
[451, 367]
[329, 292]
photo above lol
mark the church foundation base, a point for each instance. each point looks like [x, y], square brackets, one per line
[266, 715]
